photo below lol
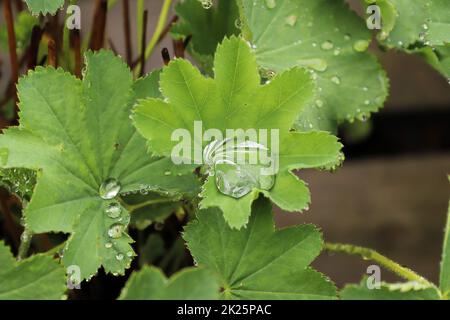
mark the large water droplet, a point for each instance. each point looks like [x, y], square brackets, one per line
[271, 4]
[113, 210]
[109, 189]
[115, 231]
[361, 45]
[327, 45]
[316, 64]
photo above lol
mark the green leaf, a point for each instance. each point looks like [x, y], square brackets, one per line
[44, 6]
[328, 38]
[235, 99]
[259, 262]
[415, 22]
[444, 279]
[389, 291]
[188, 284]
[221, 22]
[418, 27]
[77, 134]
[38, 277]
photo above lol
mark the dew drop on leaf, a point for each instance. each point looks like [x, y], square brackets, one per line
[167, 173]
[108, 245]
[316, 64]
[109, 189]
[206, 4]
[361, 45]
[291, 20]
[119, 256]
[336, 80]
[115, 231]
[319, 103]
[327, 45]
[113, 210]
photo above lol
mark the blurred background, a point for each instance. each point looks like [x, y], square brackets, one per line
[392, 192]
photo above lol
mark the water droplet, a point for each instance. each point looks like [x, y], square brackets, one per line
[400, 43]
[291, 20]
[336, 80]
[115, 231]
[271, 4]
[129, 254]
[113, 210]
[425, 26]
[367, 102]
[238, 23]
[167, 173]
[361, 45]
[314, 44]
[319, 103]
[327, 45]
[365, 89]
[337, 51]
[119, 256]
[347, 36]
[108, 245]
[109, 189]
[207, 4]
[115, 274]
[316, 64]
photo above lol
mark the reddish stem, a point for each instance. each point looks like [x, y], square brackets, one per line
[127, 31]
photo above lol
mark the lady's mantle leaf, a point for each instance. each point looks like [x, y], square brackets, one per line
[389, 291]
[328, 38]
[77, 134]
[39, 277]
[322, 35]
[189, 284]
[235, 99]
[259, 262]
[44, 6]
[221, 22]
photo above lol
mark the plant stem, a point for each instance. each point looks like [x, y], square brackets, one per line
[25, 241]
[158, 31]
[134, 207]
[370, 254]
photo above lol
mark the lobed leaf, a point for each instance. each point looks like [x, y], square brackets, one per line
[44, 6]
[36, 278]
[77, 135]
[189, 284]
[259, 262]
[235, 99]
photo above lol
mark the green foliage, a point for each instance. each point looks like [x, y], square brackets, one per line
[23, 27]
[421, 27]
[259, 262]
[234, 99]
[77, 133]
[36, 278]
[444, 280]
[189, 284]
[390, 291]
[44, 6]
[221, 22]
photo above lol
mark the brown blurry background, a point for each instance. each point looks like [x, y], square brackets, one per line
[390, 197]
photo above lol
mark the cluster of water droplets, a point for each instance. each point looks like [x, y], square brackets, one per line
[235, 178]
[109, 190]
